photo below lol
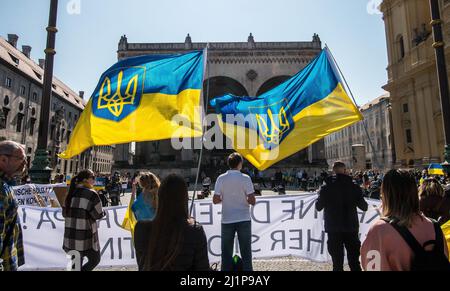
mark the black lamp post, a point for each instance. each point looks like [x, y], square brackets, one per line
[40, 172]
[441, 65]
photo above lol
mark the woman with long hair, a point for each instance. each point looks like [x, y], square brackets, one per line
[82, 208]
[433, 201]
[172, 241]
[385, 249]
[145, 204]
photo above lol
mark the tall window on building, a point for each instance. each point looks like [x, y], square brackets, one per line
[405, 108]
[22, 90]
[32, 123]
[8, 82]
[68, 136]
[19, 122]
[408, 136]
[401, 47]
[52, 132]
[35, 97]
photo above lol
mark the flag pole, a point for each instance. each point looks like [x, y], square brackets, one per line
[353, 98]
[205, 110]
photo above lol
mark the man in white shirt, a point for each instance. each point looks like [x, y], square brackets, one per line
[235, 191]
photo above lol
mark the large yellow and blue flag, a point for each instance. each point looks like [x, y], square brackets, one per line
[137, 99]
[304, 109]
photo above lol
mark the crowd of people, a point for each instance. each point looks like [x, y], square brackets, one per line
[406, 237]
[408, 234]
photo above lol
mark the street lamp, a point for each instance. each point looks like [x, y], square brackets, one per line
[439, 47]
[40, 172]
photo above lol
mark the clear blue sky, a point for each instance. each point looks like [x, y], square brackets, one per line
[86, 43]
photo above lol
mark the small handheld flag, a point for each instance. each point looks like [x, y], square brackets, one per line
[436, 169]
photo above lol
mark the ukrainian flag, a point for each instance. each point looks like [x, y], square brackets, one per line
[129, 221]
[137, 99]
[446, 231]
[436, 169]
[301, 111]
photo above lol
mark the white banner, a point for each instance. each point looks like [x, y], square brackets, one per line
[281, 226]
[25, 194]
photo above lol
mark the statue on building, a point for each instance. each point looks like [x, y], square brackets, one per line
[251, 41]
[421, 36]
[425, 33]
[123, 43]
[188, 42]
[316, 38]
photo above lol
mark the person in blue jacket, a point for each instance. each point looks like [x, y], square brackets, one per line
[144, 206]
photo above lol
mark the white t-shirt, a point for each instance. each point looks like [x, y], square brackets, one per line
[233, 188]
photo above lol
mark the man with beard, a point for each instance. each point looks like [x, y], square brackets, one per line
[12, 163]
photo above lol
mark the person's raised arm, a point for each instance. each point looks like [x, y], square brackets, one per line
[133, 191]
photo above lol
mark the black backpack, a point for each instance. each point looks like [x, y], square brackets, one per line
[423, 260]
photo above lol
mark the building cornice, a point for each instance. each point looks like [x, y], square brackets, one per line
[222, 46]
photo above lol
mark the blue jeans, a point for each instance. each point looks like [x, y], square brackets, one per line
[244, 232]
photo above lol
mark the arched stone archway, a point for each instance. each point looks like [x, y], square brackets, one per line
[219, 86]
[271, 83]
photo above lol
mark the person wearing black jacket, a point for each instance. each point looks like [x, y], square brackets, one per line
[339, 198]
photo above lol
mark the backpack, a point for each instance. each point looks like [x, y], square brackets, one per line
[423, 260]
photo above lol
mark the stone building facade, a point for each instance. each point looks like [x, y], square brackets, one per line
[379, 150]
[21, 82]
[412, 80]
